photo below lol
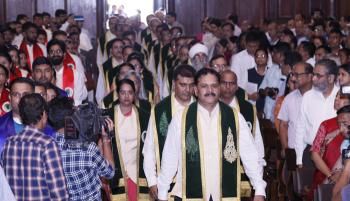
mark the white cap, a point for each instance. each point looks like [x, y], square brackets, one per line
[197, 48]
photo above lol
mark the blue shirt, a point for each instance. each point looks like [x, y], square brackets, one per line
[18, 127]
[273, 79]
[83, 168]
[8, 127]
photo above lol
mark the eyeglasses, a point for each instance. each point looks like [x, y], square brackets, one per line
[219, 66]
[297, 74]
[227, 84]
[55, 52]
[318, 76]
[19, 95]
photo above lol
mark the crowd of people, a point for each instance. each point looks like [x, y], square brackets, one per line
[183, 111]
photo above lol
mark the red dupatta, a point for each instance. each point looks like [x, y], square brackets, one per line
[16, 74]
[331, 153]
[5, 101]
[68, 75]
[37, 52]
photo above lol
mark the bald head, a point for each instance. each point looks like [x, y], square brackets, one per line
[228, 85]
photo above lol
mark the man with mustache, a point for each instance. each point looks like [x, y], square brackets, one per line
[43, 72]
[183, 86]
[67, 77]
[204, 147]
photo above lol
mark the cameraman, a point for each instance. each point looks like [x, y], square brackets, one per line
[344, 123]
[83, 165]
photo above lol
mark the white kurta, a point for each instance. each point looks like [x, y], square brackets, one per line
[315, 108]
[80, 91]
[289, 112]
[127, 131]
[149, 162]
[259, 143]
[172, 155]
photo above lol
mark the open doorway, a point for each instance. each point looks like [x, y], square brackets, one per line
[130, 8]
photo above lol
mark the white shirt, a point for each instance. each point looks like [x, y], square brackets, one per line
[85, 42]
[149, 162]
[241, 63]
[17, 40]
[79, 91]
[311, 61]
[210, 40]
[127, 131]
[237, 31]
[172, 155]
[64, 26]
[259, 144]
[273, 79]
[48, 33]
[315, 108]
[289, 112]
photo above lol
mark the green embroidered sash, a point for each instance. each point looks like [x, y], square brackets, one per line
[249, 113]
[162, 114]
[193, 187]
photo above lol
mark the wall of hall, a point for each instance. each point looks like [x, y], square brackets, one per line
[92, 10]
[190, 12]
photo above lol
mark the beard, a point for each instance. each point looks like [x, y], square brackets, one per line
[197, 64]
[56, 60]
[31, 40]
[321, 87]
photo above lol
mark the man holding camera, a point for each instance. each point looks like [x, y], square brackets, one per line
[83, 161]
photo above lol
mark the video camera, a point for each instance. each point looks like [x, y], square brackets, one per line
[85, 125]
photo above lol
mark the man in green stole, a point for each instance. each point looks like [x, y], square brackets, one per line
[102, 56]
[114, 47]
[229, 87]
[161, 116]
[204, 147]
[119, 184]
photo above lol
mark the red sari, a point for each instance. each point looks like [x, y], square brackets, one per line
[327, 143]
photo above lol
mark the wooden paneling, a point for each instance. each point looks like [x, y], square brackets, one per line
[9, 9]
[226, 7]
[15, 7]
[253, 10]
[2, 11]
[50, 6]
[86, 9]
[190, 14]
[285, 9]
[342, 7]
